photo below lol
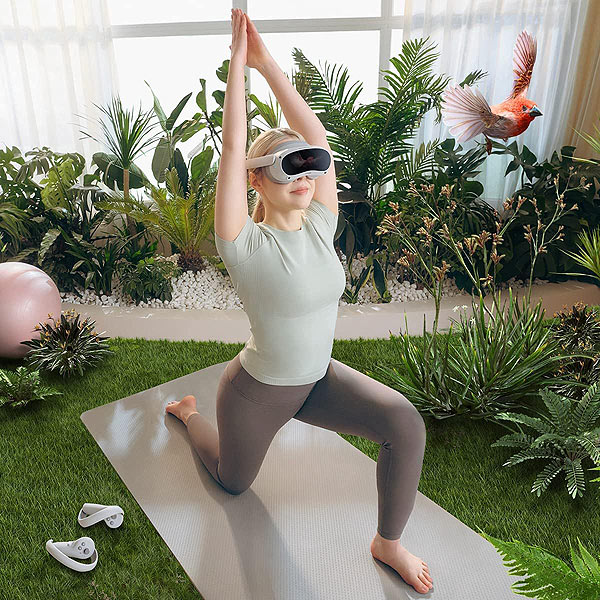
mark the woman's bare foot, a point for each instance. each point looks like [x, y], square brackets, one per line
[410, 567]
[183, 409]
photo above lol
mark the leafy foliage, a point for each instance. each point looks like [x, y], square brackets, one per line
[549, 578]
[67, 345]
[587, 256]
[490, 366]
[578, 333]
[372, 141]
[150, 278]
[19, 388]
[65, 217]
[568, 434]
[540, 194]
[184, 220]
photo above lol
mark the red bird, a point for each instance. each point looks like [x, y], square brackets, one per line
[467, 113]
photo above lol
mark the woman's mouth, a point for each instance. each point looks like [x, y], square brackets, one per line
[302, 191]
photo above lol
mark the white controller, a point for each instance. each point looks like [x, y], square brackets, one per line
[65, 552]
[91, 514]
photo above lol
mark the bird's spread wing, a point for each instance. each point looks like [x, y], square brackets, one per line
[466, 112]
[524, 54]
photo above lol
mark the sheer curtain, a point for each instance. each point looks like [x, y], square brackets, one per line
[480, 34]
[56, 60]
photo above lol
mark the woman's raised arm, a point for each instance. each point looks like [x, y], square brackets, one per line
[231, 201]
[297, 112]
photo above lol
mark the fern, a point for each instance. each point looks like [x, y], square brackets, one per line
[567, 437]
[549, 578]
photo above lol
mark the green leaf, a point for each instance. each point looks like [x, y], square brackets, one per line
[176, 112]
[158, 110]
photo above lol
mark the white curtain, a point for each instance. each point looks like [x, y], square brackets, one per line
[480, 34]
[56, 60]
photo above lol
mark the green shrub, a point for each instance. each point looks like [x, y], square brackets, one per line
[22, 387]
[540, 202]
[150, 278]
[489, 366]
[569, 434]
[67, 345]
[578, 331]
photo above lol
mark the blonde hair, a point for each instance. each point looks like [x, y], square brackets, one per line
[262, 145]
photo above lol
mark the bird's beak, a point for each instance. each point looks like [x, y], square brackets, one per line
[535, 112]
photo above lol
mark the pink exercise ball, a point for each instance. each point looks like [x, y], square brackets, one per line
[27, 295]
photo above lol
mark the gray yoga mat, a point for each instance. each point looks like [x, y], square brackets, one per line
[303, 529]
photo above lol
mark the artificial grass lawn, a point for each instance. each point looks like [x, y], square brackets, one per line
[50, 466]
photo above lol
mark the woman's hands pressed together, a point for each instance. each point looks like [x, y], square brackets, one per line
[239, 41]
[247, 42]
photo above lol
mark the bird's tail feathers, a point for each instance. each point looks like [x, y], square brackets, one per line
[464, 112]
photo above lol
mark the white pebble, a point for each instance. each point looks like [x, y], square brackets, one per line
[211, 289]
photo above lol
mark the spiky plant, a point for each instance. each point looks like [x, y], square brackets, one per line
[126, 136]
[549, 578]
[23, 386]
[567, 437]
[577, 327]
[578, 331]
[66, 345]
[184, 220]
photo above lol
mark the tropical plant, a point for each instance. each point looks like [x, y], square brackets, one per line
[499, 357]
[486, 366]
[96, 264]
[471, 214]
[568, 434]
[150, 278]
[66, 210]
[66, 345]
[593, 142]
[578, 329]
[19, 388]
[183, 220]
[373, 141]
[126, 136]
[166, 155]
[548, 577]
[132, 250]
[589, 255]
[543, 199]
[14, 220]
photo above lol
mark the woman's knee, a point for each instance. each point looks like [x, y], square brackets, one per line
[405, 418]
[235, 492]
[232, 485]
[235, 489]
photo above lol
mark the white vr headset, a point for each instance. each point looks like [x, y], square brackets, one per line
[292, 159]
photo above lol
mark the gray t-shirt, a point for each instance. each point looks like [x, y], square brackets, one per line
[289, 283]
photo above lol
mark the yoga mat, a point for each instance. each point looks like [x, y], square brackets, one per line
[302, 530]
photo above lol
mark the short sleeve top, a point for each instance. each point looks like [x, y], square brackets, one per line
[290, 283]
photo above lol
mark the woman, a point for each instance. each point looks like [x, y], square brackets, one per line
[286, 272]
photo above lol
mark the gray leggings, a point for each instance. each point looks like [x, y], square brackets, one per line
[249, 414]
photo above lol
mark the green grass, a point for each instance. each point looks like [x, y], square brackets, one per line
[50, 465]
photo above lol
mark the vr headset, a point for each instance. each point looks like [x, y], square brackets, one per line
[292, 159]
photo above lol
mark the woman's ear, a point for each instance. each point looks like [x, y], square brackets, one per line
[255, 180]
